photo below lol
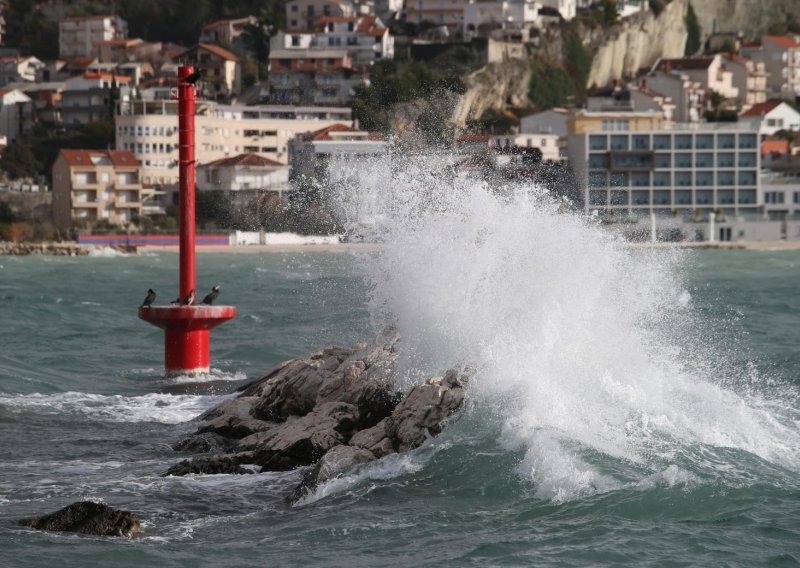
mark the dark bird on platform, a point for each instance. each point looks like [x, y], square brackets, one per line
[149, 299]
[208, 300]
[189, 299]
[194, 77]
[176, 302]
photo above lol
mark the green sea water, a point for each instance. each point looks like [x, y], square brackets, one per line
[688, 457]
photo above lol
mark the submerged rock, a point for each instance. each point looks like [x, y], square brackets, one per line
[335, 408]
[88, 517]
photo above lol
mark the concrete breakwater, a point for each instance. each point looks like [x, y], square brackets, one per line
[49, 248]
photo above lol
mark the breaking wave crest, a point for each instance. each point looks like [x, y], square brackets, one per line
[588, 349]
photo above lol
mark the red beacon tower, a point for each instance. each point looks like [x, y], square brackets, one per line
[187, 338]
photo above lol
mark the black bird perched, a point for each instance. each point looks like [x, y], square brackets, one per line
[194, 77]
[176, 301]
[149, 299]
[208, 300]
[189, 299]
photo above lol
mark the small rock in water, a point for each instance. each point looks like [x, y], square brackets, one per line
[88, 517]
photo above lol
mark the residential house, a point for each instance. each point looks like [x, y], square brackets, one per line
[687, 94]
[78, 36]
[222, 71]
[227, 32]
[311, 155]
[127, 50]
[17, 68]
[553, 121]
[710, 73]
[51, 71]
[90, 185]
[781, 56]
[447, 14]
[46, 101]
[749, 76]
[771, 117]
[244, 178]
[149, 129]
[93, 96]
[16, 114]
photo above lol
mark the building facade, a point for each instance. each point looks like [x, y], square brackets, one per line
[92, 96]
[150, 131]
[682, 169]
[448, 13]
[16, 114]
[222, 71]
[90, 185]
[750, 78]
[244, 177]
[771, 117]
[77, 36]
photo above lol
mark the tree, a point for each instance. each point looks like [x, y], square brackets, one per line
[693, 32]
[715, 101]
[18, 161]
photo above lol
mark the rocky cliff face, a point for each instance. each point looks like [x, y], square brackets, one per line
[494, 87]
[752, 17]
[638, 42]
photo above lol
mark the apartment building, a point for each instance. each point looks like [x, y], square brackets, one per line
[481, 17]
[149, 129]
[749, 77]
[636, 168]
[781, 58]
[90, 185]
[312, 76]
[449, 13]
[92, 96]
[227, 32]
[710, 73]
[77, 36]
[305, 14]
[16, 114]
[365, 38]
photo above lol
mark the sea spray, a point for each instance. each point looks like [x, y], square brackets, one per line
[588, 346]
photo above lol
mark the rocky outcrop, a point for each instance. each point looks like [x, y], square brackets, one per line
[55, 249]
[88, 517]
[637, 42]
[335, 408]
[495, 86]
[751, 17]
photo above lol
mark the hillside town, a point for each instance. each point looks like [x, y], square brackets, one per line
[699, 144]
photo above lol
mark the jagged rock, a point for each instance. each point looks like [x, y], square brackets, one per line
[422, 412]
[211, 465]
[291, 392]
[205, 443]
[88, 517]
[232, 419]
[378, 439]
[306, 439]
[336, 462]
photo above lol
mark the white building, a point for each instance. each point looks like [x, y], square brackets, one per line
[506, 15]
[551, 145]
[150, 131]
[16, 68]
[567, 8]
[553, 121]
[77, 36]
[772, 116]
[365, 38]
[16, 111]
[244, 177]
[449, 14]
[710, 72]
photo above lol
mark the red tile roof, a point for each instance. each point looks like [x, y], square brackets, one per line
[215, 24]
[685, 63]
[120, 158]
[243, 160]
[215, 49]
[761, 109]
[106, 76]
[775, 146]
[784, 41]
[324, 134]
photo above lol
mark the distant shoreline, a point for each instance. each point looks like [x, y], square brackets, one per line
[74, 249]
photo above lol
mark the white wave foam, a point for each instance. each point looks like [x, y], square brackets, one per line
[214, 375]
[152, 407]
[107, 252]
[584, 340]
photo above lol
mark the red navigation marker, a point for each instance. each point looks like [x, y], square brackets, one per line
[187, 342]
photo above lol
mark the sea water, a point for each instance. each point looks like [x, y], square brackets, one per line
[629, 406]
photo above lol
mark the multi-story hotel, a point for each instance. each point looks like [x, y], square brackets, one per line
[95, 184]
[149, 129]
[673, 169]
